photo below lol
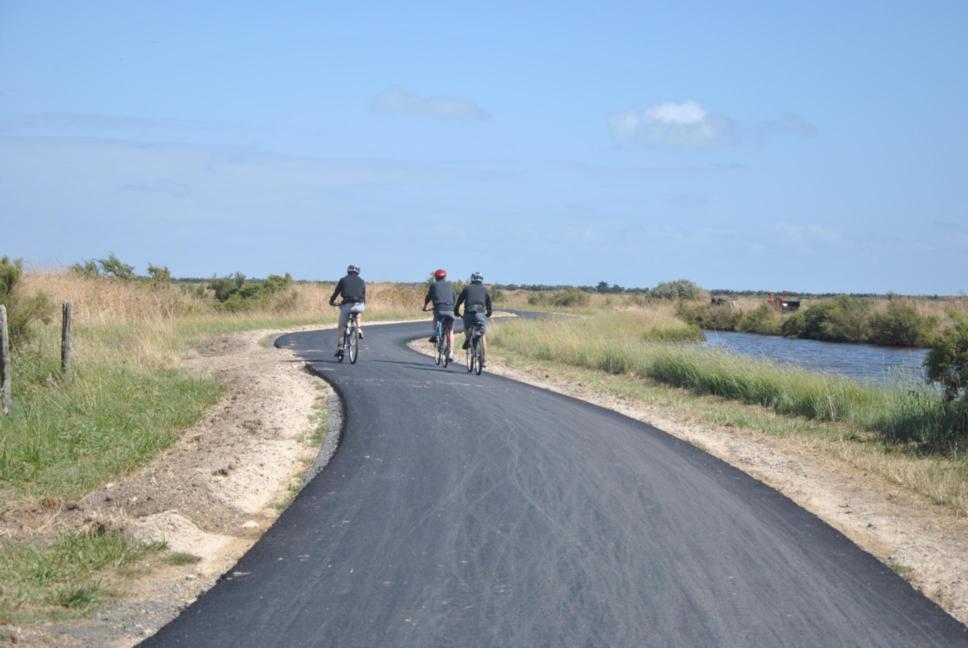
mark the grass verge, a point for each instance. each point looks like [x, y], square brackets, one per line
[66, 577]
[838, 417]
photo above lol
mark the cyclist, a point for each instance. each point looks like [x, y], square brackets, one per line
[442, 294]
[477, 307]
[352, 289]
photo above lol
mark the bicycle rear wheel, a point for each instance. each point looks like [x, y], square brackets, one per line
[479, 352]
[354, 343]
[470, 357]
[439, 346]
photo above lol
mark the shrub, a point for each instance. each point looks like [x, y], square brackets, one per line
[762, 319]
[112, 266]
[902, 325]
[86, 268]
[947, 362]
[713, 317]
[678, 289]
[843, 319]
[159, 274]
[22, 311]
[233, 293]
[569, 297]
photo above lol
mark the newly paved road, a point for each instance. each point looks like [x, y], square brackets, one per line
[476, 511]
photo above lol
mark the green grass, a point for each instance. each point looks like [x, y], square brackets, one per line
[943, 479]
[62, 440]
[64, 578]
[620, 344]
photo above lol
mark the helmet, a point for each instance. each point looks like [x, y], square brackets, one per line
[352, 269]
[477, 277]
[440, 273]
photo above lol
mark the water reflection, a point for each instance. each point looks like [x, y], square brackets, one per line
[865, 362]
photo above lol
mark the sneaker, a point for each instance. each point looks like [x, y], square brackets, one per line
[450, 357]
[432, 339]
[467, 344]
[339, 354]
[361, 334]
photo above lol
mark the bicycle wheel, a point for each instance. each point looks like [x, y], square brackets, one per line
[354, 343]
[479, 352]
[439, 346]
[446, 352]
[470, 357]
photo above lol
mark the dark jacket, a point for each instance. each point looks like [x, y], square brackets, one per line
[476, 299]
[442, 294]
[352, 288]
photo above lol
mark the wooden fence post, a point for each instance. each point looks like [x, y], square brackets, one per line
[66, 339]
[5, 370]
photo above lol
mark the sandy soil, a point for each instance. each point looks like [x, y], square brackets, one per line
[211, 495]
[924, 542]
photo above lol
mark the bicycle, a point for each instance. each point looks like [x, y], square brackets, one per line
[351, 339]
[442, 341]
[475, 352]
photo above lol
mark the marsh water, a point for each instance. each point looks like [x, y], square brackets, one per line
[865, 362]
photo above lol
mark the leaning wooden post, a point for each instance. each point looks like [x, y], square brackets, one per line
[66, 340]
[5, 375]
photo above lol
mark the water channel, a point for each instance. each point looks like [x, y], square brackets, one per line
[864, 362]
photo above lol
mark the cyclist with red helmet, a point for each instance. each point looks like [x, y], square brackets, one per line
[442, 294]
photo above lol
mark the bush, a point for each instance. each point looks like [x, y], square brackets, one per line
[902, 325]
[762, 319]
[159, 274]
[112, 266]
[234, 293]
[947, 362]
[714, 317]
[843, 319]
[569, 297]
[679, 289]
[22, 311]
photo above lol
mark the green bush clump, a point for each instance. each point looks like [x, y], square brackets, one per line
[235, 294]
[713, 317]
[902, 325]
[843, 319]
[22, 310]
[569, 297]
[762, 319]
[678, 289]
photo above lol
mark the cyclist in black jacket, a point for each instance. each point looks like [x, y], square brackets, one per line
[477, 307]
[352, 289]
[442, 294]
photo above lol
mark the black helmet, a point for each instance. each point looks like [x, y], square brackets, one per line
[352, 269]
[477, 277]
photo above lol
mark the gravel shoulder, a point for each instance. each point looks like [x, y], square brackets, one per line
[922, 541]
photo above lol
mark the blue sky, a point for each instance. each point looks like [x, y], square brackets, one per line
[807, 147]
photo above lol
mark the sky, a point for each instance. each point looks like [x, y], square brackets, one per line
[814, 147]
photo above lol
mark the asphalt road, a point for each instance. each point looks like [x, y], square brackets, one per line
[477, 511]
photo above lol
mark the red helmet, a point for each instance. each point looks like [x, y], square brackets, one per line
[440, 273]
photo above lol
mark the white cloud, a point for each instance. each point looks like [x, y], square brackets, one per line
[689, 125]
[399, 100]
[672, 125]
